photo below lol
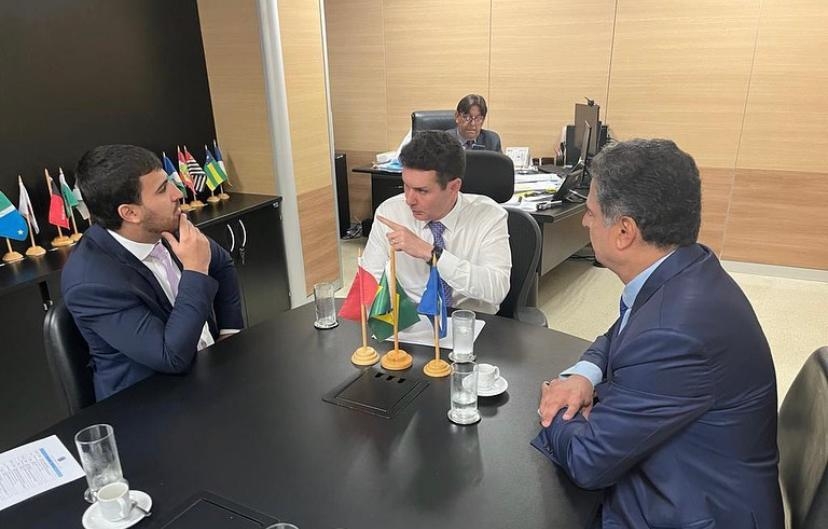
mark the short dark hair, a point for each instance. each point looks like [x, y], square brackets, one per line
[435, 150]
[110, 175]
[653, 182]
[465, 104]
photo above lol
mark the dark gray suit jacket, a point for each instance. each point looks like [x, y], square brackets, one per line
[487, 140]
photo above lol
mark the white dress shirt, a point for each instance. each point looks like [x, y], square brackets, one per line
[142, 252]
[476, 261]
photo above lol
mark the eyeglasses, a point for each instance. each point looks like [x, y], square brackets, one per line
[472, 119]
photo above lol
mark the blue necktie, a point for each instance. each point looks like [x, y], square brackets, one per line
[437, 228]
[623, 310]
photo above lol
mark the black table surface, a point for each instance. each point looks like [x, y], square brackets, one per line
[249, 424]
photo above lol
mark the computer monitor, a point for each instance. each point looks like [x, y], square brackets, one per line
[587, 114]
[575, 178]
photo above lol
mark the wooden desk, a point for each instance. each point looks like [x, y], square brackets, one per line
[249, 424]
[561, 227]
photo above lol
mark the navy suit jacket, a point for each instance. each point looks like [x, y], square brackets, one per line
[132, 329]
[683, 433]
[487, 139]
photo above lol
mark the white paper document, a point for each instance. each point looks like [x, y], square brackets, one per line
[422, 333]
[33, 468]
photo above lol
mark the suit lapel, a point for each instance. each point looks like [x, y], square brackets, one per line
[105, 242]
[683, 257]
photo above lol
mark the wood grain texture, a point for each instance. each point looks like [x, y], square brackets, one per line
[359, 185]
[716, 188]
[356, 59]
[544, 60]
[301, 33]
[770, 225]
[435, 53]
[680, 70]
[232, 49]
[787, 111]
[320, 247]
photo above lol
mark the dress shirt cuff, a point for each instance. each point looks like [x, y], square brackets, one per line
[227, 332]
[587, 370]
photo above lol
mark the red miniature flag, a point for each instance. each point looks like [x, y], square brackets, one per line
[57, 210]
[365, 287]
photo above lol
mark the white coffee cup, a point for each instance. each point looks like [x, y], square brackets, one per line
[114, 501]
[487, 375]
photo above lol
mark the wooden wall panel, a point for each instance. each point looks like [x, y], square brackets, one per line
[359, 184]
[542, 63]
[435, 53]
[301, 35]
[232, 49]
[321, 254]
[787, 111]
[356, 56]
[680, 70]
[770, 222]
[716, 189]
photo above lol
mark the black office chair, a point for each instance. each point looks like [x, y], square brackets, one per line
[493, 174]
[489, 173]
[432, 120]
[68, 356]
[803, 445]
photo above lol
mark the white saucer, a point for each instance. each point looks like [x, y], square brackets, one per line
[498, 387]
[93, 519]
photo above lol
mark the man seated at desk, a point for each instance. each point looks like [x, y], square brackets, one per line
[144, 306]
[682, 432]
[470, 114]
[467, 234]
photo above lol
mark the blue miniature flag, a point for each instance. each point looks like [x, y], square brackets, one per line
[432, 302]
[12, 223]
[172, 174]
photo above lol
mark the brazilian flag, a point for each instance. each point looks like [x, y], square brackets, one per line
[381, 317]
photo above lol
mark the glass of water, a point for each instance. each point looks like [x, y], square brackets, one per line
[323, 296]
[99, 458]
[464, 393]
[462, 331]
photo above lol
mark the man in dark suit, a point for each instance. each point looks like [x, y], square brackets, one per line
[469, 117]
[144, 299]
[673, 411]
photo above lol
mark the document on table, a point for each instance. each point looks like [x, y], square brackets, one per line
[422, 333]
[35, 467]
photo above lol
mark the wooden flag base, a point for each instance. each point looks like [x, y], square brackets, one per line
[223, 196]
[437, 368]
[186, 207]
[196, 204]
[396, 360]
[12, 256]
[62, 240]
[76, 236]
[365, 356]
[35, 251]
[213, 199]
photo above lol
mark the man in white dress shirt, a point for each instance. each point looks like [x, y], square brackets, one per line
[467, 234]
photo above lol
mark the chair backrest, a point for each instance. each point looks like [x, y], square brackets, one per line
[68, 356]
[803, 445]
[432, 120]
[489, 173]
[525, 243]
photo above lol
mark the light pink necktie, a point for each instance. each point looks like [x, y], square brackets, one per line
[161, 255]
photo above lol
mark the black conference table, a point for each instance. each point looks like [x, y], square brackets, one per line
[249, 425]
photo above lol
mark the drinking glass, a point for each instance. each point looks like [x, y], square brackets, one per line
[463, 393]
[323, 296]
[98, 454]
[462, 331]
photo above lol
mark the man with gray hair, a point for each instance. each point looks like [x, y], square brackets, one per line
[672, 412]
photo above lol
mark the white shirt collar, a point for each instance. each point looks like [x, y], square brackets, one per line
[140, 250]
[449, 220]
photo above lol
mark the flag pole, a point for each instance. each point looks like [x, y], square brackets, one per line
[395, 359]
[437, 367]
[11, 256]
[61, 239]
[365, 355]
[33, 250]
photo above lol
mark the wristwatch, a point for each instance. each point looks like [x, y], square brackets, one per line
[436, 252]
